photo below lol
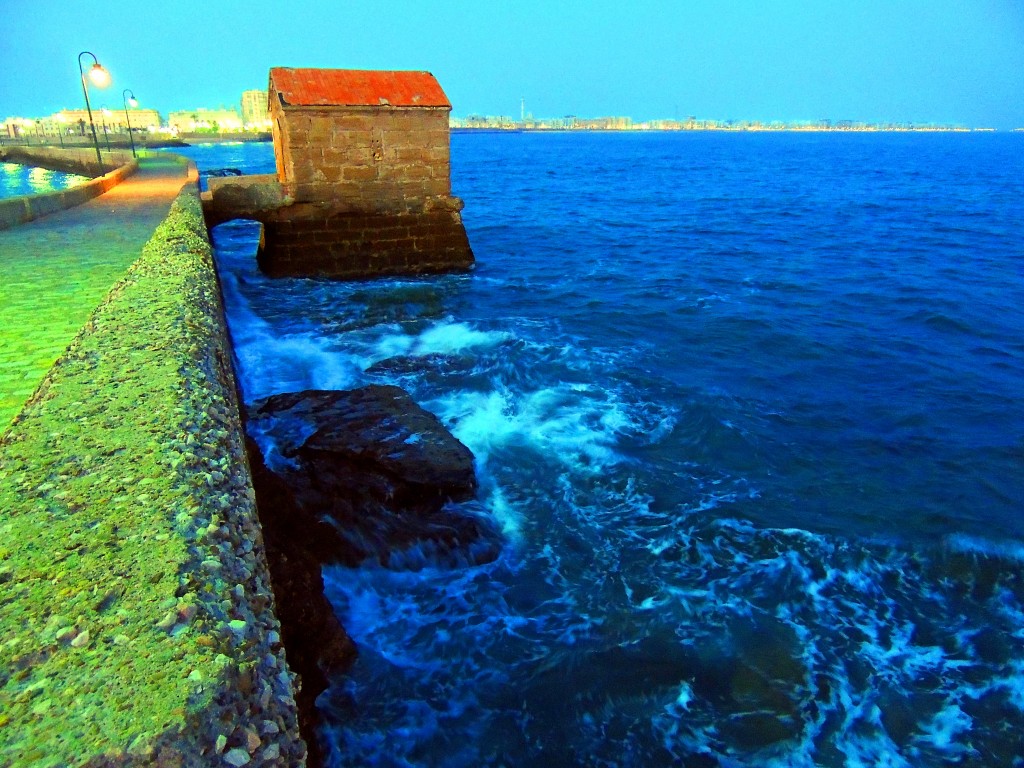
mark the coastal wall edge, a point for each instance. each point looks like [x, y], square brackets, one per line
[140, 626]
[18, 210]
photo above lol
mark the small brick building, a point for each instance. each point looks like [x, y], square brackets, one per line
[378, 140]
[363, 182]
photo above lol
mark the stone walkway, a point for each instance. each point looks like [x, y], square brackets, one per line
[54, 271]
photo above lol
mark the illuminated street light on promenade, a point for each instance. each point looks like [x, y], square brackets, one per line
[101, 79]
[106, 139]
[126, 99]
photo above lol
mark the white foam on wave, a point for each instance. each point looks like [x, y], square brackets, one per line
[962, 542]
[275, 364]
[575, 425]
[423, 639]
[450, 337]
[270, 362]
[810, 581]
[871, 750]
[442, 338]
[565, 424]
[504, 513]
[1010, 679]
[942, 730]
[392, 344]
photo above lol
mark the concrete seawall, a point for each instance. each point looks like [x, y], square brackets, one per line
[18, 210]
[139, 625]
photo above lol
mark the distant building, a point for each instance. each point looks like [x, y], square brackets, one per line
[204, 120]
[606, 124]
[77, 120]
[254, 109]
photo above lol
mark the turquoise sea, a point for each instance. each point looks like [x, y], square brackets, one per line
[748, 416]
[17, 180]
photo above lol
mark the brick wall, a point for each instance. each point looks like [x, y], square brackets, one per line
[357, 244]
[366, 191]
[365, 158]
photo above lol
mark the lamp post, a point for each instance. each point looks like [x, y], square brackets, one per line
[60, 129]
[106, 138]
[101, 79]
[129, 100]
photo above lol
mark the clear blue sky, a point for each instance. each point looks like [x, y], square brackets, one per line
[955, 61]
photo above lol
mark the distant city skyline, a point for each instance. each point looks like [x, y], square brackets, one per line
[253, 116]
[879, 61]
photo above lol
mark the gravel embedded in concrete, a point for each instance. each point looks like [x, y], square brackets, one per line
[127, 526]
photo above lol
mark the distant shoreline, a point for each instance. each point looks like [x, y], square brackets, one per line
[191, 139]
[724, 129]
[147, 142]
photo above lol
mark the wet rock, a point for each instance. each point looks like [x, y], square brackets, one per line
[351, 475]
[754, 731]
[371, 474]
[898, 715]
[316, 643]
[417, 364]
[612, 674]
[379, 429]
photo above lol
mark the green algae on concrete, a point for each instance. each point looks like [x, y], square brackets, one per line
[136, 614]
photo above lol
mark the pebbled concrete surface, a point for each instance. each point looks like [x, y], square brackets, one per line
[138, 621]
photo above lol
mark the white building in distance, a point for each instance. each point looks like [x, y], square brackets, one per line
[254, 109]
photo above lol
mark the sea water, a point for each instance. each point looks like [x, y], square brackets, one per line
[747, 415]
[17, 180]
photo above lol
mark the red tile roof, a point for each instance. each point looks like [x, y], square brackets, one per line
[356, 88]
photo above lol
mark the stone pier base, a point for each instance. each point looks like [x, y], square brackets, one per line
[340, 240]
[355, 245]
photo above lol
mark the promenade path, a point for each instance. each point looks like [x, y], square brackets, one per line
[54, 271]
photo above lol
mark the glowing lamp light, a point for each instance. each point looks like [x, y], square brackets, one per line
[99, 76]
[128, 97]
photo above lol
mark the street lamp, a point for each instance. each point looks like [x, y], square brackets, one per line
[106, 114]
[129, 100]
[101, 79]
[60, 128]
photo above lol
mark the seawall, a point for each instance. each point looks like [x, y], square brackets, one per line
[116, 168]
[139, 624]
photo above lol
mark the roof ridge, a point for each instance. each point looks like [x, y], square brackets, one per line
[310, 86]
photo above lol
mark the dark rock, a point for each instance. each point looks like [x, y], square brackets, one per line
[753, 731]
[377, 425]
[416, 364]
[371, 474]
[612, 674]
[316, 644]
[350, 475]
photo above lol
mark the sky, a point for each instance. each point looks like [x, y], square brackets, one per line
[942, 61]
